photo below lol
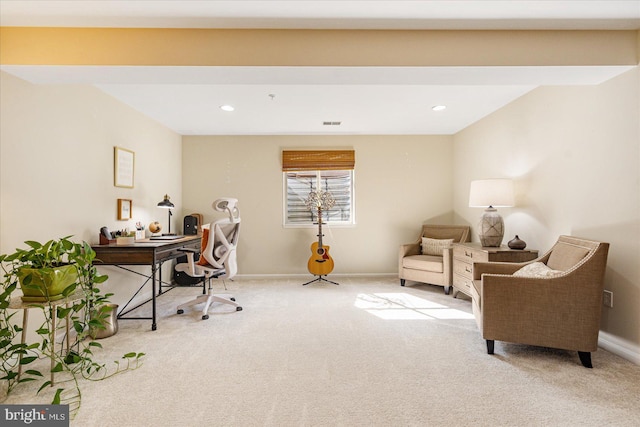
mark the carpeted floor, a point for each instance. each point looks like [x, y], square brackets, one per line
[365, 353]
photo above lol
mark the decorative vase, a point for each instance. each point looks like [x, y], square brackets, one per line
[110, 322]
[516, 243]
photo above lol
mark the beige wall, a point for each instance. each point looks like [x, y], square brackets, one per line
[574, 153]
[401, 182]
[56, 154]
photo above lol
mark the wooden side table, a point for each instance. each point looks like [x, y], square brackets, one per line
[17, 304]
[465, 254]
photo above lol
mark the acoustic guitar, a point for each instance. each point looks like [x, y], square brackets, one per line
[320, 263]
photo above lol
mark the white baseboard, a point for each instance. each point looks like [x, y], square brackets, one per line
[619, 347]
[306, 275]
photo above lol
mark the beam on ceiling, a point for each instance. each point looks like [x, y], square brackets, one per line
[269, 47]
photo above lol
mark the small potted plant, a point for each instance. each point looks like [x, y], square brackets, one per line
[45, 271]
[58, 270]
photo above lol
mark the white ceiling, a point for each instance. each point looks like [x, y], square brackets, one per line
[365, 100]
[358, 14]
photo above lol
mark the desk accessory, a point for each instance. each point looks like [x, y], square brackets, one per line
[125, 240]
[166, 204]
[190, 226]
[155, 227]
[119, 237]
[104, 231]
[105, 236]
[140, 234]
[166, 237]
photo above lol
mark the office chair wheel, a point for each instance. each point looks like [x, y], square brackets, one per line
[205, 317]
[238, 308]
[180, 311]
[232, 299]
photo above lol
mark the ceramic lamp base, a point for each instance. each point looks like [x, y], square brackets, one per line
[491, 228]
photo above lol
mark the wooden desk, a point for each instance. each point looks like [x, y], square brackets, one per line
[145, 252]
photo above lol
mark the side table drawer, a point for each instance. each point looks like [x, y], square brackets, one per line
[462, 283]
[463, 269]
[465, 254]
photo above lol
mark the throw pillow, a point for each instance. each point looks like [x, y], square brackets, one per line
[435, 246]
[205, 241]
[565, 255]
[536, 269]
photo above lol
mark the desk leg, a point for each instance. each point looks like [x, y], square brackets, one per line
[154, 326]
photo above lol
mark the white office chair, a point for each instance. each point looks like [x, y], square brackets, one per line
[218, 259]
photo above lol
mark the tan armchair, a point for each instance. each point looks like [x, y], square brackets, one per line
[414, 264]
[561, 310]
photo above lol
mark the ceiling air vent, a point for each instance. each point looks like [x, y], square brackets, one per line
[331, 123]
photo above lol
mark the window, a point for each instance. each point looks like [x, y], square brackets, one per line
[300, 179]
[298, 186]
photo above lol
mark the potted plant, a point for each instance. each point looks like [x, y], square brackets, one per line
[49, 274]
[45, 271]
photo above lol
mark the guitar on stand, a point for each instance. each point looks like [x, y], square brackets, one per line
[320, 263]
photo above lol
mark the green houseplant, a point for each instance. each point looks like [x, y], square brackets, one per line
[45, 271]
[58, 270]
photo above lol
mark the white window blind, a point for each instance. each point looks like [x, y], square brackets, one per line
[318, 174]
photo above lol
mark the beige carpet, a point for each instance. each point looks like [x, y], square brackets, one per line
[365, 353]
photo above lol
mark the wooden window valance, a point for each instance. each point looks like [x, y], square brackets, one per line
[305, 160]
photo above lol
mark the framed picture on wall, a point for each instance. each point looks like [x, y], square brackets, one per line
[123, 167]
[124, 209]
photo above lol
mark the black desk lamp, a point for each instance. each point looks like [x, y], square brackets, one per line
[166, 204]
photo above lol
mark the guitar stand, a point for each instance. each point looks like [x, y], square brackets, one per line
[318, 279]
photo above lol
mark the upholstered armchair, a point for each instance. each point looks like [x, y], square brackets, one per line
[554, 301]
[430, 258]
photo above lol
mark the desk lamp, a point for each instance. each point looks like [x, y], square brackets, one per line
[166, 204]
[489, 194]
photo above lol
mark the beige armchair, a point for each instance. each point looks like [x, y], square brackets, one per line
[558, 306]
[431, 264]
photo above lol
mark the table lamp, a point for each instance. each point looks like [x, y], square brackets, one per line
[166, 204]
[489, 194]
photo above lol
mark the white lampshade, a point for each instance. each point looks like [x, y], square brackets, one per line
[491, 192]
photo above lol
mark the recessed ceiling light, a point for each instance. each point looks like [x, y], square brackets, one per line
[227, 107]
[439, 107]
